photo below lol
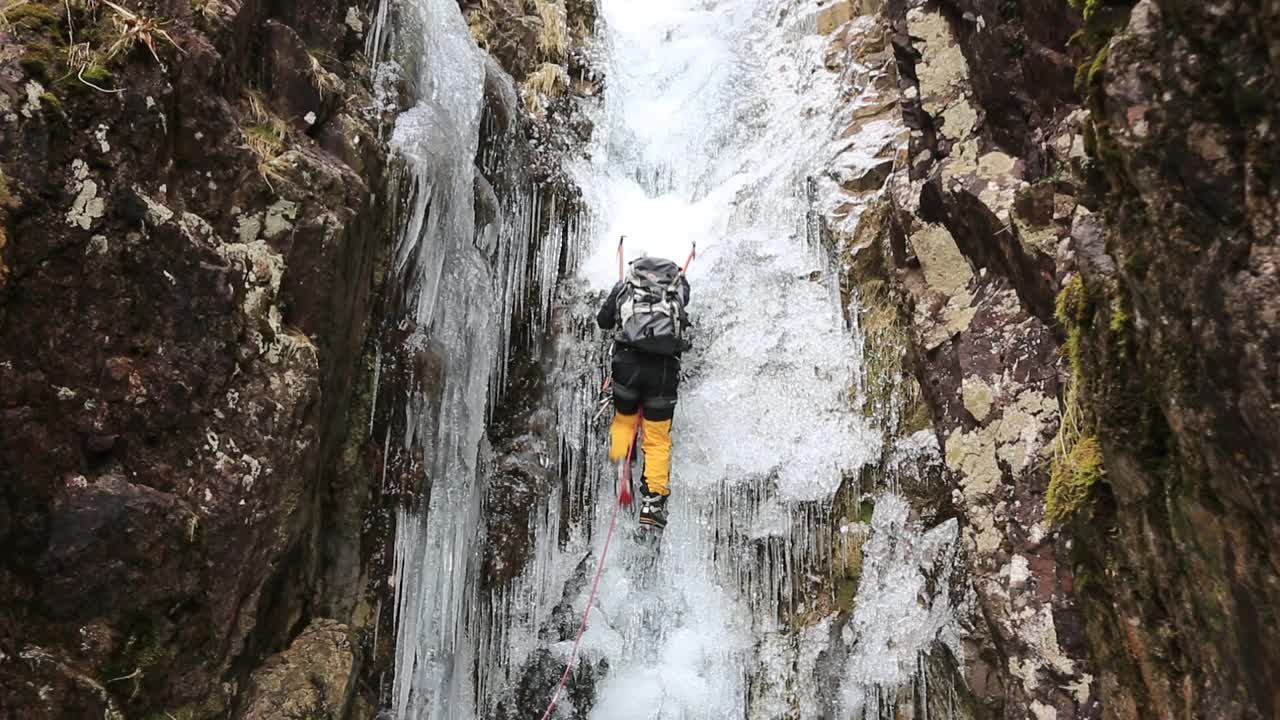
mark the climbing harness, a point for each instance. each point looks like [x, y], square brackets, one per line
[624, 490]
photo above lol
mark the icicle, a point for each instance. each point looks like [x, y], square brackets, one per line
[373, 392]
[375, 43]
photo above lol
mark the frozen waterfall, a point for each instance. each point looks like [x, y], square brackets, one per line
[718, 114]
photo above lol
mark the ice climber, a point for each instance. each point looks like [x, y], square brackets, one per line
[646, 311]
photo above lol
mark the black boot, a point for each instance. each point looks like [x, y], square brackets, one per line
[653, 508]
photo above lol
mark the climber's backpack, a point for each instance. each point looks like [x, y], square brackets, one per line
[651, 310]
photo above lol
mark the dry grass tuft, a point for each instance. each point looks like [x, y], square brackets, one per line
[553, 37]
[581, 31]
[85, 64]
[207, 9]
[326, 82]
[6, 7]
[260, 113]
[137, 29]
[481, 23]
[265, 136]
[548, 81]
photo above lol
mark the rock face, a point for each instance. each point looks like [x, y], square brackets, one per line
[1081, 248]
[1177, 351]
[959, 254]
[312, 679]
[187, 251]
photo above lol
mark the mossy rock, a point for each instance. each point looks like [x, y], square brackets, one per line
[34, 16]
[97, 74]
[916, 416]
[1072, 479]
[1072, 303]
[1088, 72]
[1119, 318]
[266, 134]
[143, 654]
[846, 591]
[51, 104]
[35, 68]
[4, 269]
[1090, 137]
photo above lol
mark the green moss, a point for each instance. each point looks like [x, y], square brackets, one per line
[1099, 62]
[264, 133]
[51, 102]
[35, 66]
[40, 59]
[916, 417]
[1071, 303]
[1087, 72]
[1106, 147]
[1081, 79]
[139, 664]
[1119, 318]
[1017, 44]
[33, 16]
[1090, 138]
[1074, 352]
[1072, 479]
[846, 591]
[1052, 180]
[97, 74]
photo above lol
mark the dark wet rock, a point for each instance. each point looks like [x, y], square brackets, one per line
[185, 284]
[1178, 351]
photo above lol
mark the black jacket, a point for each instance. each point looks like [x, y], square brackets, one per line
[607, 317]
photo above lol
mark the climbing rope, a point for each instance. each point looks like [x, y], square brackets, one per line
[623, 491]
[624, 498]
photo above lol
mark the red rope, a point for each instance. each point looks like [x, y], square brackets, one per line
[623, 492]
[624, 498]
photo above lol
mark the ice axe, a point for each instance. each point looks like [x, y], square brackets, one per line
[693, 252]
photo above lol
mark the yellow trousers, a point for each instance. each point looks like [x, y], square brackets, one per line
[656, 443]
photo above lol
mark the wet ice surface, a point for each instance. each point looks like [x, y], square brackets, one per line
[768, 392]
[906, 606]
[721, 113]
[449, 296]
[718, 114]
